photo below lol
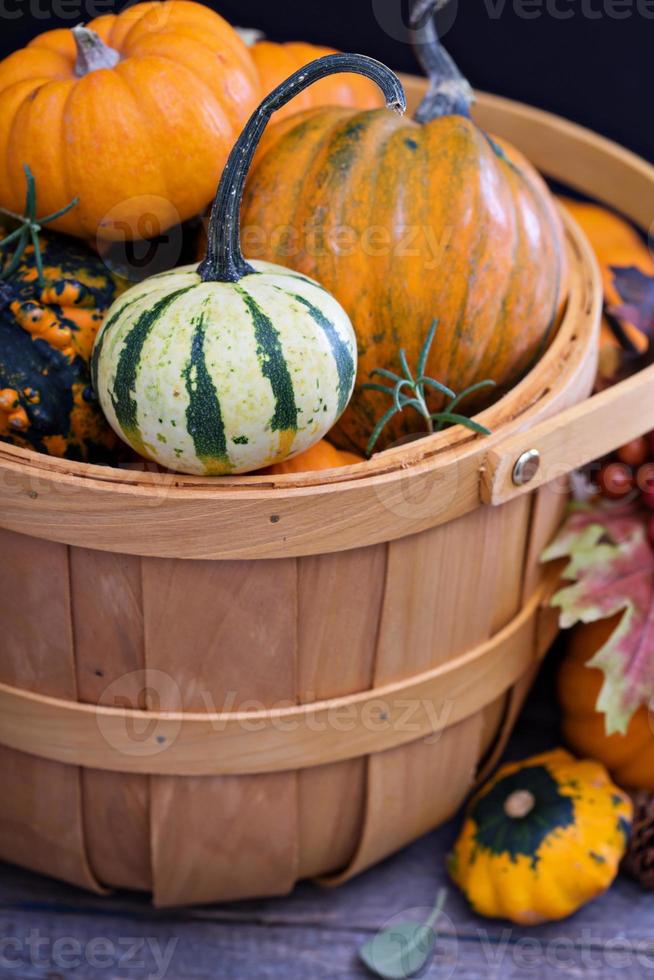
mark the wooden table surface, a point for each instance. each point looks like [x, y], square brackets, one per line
[50, 931]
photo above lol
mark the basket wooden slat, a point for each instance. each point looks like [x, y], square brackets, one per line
[107, 620]
[41, 823]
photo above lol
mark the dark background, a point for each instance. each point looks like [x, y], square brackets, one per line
[595, 66]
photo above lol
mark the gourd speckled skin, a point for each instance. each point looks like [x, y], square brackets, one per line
[46, 335]
[275, 62]
[630, 757]
[232, 366]
[404, 221]
[541, 839]
[134, 113]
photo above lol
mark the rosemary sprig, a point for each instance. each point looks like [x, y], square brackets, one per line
[409, 392]
[28, 230]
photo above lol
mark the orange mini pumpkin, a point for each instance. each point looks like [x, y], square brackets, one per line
[134, 114]
[615, 242]
[617, 245]
[322, 456]
[409, 220]
[275, 62]
[630, 757]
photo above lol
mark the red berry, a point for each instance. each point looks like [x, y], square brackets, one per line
[616, 480]
[634, 453]
[650, 529]
[645, 478]
[650, 440]
[648, 499]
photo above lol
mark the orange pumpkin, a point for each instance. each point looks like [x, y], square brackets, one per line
[275, 62]
[615, 243]
[406, 220]
[134, 114]
[322, 456]
[630, 757]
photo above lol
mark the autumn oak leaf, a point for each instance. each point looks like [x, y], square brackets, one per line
[636, 290]
[611, 568]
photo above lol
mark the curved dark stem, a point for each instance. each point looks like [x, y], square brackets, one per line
[449, 92]
[224, 260]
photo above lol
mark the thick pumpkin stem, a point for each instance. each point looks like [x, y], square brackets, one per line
[92, 52]
[224, 261]
[449, 92]
[519, 804]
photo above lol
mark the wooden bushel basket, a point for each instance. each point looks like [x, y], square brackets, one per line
[211, 689]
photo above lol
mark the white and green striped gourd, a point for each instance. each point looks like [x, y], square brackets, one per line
[230, 366]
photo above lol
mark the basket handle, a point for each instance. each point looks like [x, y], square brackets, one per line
[574, 437]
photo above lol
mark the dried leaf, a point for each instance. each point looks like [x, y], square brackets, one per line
[403, 949]
[612, 568]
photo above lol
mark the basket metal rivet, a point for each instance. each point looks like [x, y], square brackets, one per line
[526, 467]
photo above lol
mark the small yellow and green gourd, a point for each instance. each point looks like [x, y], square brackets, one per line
[541, 839]
[232, 366]
[54, 293]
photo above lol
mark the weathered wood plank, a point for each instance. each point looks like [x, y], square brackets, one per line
[408, 880]
[82, 947]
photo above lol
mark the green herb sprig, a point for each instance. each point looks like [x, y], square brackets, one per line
[28, 230]
[408, 391]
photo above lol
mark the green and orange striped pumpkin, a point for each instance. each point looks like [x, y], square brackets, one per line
[405, 221]
[232, 366]
[214, 377]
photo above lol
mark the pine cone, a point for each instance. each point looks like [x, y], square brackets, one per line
[639, 860]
